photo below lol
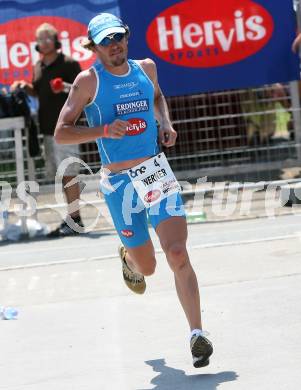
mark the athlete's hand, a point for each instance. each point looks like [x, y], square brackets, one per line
[168, 136]
[117, 129]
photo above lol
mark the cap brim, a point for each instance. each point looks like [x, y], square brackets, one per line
[99, 37]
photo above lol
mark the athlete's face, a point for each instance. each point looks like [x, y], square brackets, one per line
[114, 54]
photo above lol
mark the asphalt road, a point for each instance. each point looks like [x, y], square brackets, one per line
[96, 246]
[80, 328]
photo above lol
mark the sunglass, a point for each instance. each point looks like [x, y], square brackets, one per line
[45, 40]
[117, 37]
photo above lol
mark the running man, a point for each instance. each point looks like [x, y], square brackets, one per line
[120, 98]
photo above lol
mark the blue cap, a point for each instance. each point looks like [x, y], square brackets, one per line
[103, 25]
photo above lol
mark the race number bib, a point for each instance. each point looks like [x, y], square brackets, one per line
[154, 180]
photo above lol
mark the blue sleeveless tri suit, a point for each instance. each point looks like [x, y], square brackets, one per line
[128, 97]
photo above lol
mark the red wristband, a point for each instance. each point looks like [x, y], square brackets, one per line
[106, 131]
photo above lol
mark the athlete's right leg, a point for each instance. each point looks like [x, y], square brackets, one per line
[136, 264]
[142, 258]
[130, 220]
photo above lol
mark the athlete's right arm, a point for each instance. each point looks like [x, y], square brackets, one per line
[81, 94]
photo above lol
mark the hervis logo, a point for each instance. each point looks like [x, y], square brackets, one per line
[137, 127]
[217, 33]
[152, 196]
[127, 233]
[17, 45]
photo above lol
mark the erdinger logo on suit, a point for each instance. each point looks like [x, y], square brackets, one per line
[152, 196]
[131, 107]
[127, 233]
[194, 34]
[138, 126]
[18, 41]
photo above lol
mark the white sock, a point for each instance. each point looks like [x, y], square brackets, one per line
[197, 332]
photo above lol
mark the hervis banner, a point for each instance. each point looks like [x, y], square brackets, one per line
[214, 45]
[20, 18]
[198, 45]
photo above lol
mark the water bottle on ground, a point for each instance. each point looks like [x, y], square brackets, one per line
[8, 313]
[196, 217]
[4, 215]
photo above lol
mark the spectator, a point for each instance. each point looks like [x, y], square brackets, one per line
[260, 106]
[52, 78]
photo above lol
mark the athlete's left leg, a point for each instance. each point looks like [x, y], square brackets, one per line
[172, 233]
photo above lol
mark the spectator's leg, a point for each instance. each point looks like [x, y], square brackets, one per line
[72, 194]
[49, 157]
[70, 172]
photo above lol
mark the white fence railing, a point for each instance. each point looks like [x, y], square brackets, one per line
[15, 126]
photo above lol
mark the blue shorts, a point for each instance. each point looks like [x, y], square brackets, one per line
[129, 213]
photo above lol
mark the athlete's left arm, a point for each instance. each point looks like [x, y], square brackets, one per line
[167, 133]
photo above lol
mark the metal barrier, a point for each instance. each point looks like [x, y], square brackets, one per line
[219, 134]
[232, 132]
[236, 132]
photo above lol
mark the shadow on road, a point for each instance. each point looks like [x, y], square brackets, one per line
[171, 378]
[92, 235]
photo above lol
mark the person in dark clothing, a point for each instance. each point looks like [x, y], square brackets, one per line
[53, 76]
